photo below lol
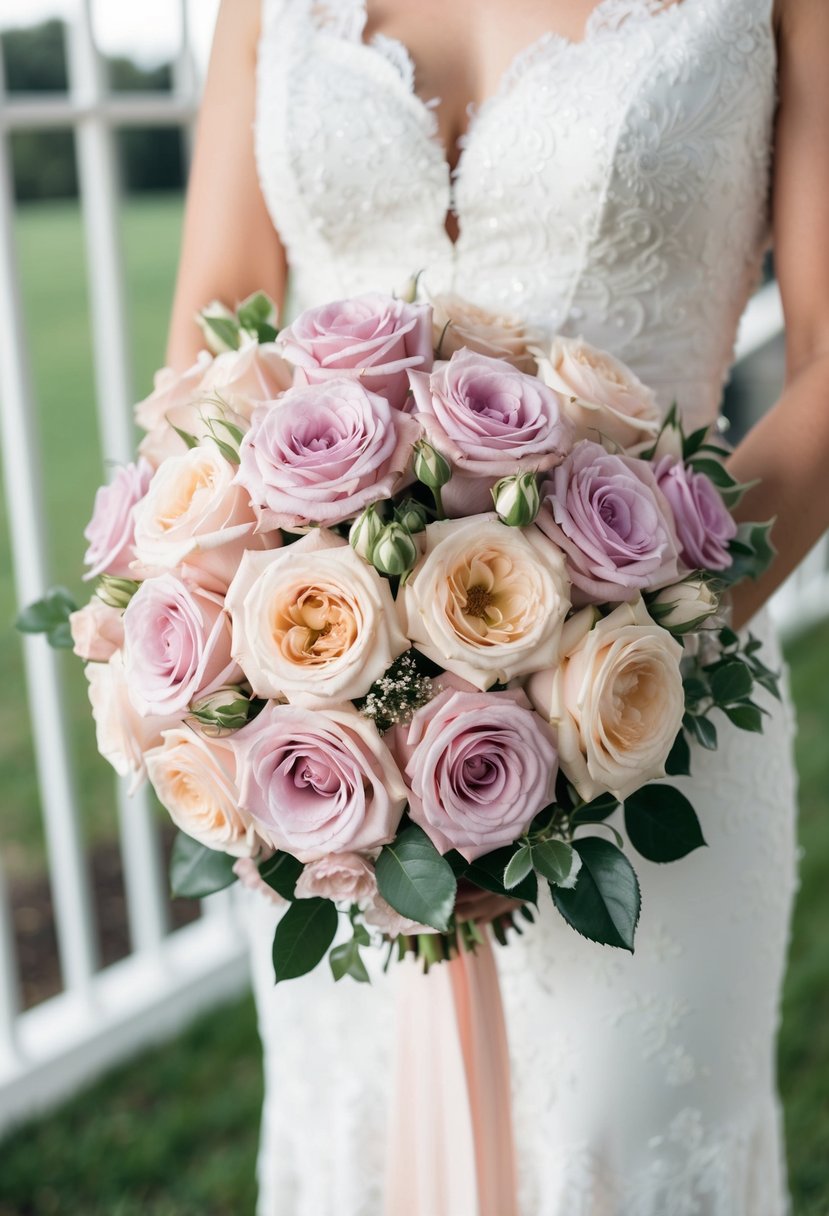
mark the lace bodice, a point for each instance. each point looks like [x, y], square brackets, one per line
[615, 187]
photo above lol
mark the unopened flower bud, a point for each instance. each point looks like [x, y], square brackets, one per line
[517, 499]
[364, 532]
[116, 592]
[411, 515]
[670, 441]
[395, 552]
[682, 607]
[222, 711]
[430, 467]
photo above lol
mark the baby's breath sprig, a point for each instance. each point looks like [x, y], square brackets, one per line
[397, 695]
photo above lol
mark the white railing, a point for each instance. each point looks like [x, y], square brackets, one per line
[100, 1016]
[103, 1015]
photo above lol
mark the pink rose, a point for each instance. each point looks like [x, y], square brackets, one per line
[194, 516]
[318, 781]
[490, 421]
[704, 524]
[343, 877]
[612, 522]
[124, 737]
[177, 641]
[111, 531]
[373, 338]
[382, 916]
[171, 403]
[322, 453]
[483, 766]
[97, 631]
[242, 378]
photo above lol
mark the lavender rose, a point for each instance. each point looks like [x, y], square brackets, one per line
[111, 531]
[613, 523]
[176, 645]
[704, 524]
[322, 453]
[372, 338]
[318, 781]
[489, 420]
[482, 766]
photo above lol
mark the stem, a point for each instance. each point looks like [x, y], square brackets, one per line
[427, 949]
[437, 494]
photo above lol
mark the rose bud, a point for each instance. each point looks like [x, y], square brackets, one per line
[228, 324]
[412, 516]
[395, 552]
[227, 709]
[517, 499]
[116, 592]
[683, 607]
[430, 467]
[365, 531]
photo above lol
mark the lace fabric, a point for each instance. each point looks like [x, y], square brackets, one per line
[614, 187]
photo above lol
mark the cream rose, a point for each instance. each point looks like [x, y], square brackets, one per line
[313, 623]
[97, 631]
[603, 398]
[343, 877]
[194, 516]
[240, 379]
[124, 737]
[195, 780]
[487, 601]
[615, 698]
[456, 323]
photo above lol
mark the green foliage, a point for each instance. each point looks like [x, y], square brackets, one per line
[416, 881]
[605, 902]
[49, 616]
[661, 823]
[302, 937]
[281, 872]
[196, 871]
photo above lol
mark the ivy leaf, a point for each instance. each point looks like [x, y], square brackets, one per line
[196, 871]
[661, 823]
[416, 881]
[281, 872]
[302, 937]
[518, 867]
[49, 616]
[730, 681]
[604, 905]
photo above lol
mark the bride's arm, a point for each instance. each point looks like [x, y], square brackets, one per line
[230, 248]
[788, 450]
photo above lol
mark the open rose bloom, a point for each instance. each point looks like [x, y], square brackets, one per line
[395, 610]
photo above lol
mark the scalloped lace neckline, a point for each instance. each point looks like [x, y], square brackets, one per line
[607, 17]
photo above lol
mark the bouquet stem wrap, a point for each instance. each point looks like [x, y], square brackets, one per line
[451, 1149]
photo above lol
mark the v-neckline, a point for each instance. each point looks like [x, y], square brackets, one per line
[599, 19]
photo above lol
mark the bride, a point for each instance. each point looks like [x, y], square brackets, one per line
[609, 170]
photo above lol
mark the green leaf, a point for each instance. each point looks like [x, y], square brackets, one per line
[49, 616]
[715, 471]
[186, 437]
[597, 811]
[226, 329]
[553, 859]
[196, 871]
[235, 432]
[488, 873]
[281, 872]
[605, 902]
[703, 730]
[257, 314]
[229, 452]
[302, 937]
[730, 681]
[752, 551]
[518, 867]
[729, 638]
[678, 763]
[746, 717]
[347, 960]
[417, 882]
[694, 442]
[695, 688]
[661, 823]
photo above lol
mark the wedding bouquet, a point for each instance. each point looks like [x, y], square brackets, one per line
[399, 603]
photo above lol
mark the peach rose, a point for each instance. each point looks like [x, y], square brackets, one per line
[313, 623]
[242, 378]
[603, 398]
[487, 601]
[343, 877]
[97, 631]
[195, 780]
[194, 516]
[616, 699]
[456, 323]
[124, 736]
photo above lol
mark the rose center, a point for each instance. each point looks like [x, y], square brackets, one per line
[478, 601]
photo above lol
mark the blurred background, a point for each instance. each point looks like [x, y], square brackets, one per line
[129, 1062]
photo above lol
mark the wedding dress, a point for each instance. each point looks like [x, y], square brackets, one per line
[614, 188]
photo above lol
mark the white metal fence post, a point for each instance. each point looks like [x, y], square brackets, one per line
[21, 467]
[9, 978]
[99, 189]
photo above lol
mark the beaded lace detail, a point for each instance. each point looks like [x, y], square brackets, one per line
[614, 187]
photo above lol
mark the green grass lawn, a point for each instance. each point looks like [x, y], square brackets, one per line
[174, 1134]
